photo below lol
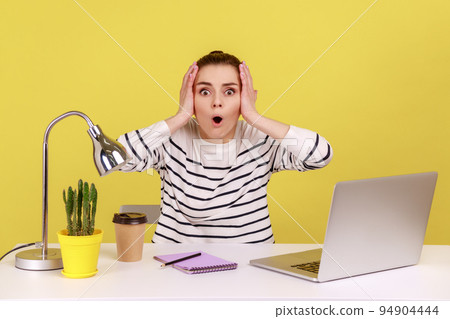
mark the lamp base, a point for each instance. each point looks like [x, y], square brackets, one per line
[34, 260]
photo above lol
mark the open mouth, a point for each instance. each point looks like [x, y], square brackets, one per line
[217, 119]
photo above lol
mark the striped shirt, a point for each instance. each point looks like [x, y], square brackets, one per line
[217, 193]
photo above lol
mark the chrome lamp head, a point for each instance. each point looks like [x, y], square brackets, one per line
[109, 156]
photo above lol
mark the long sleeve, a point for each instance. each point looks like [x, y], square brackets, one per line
[302, 150]
[217, 193]
[145, 147]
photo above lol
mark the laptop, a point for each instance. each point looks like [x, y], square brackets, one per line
[374, 225]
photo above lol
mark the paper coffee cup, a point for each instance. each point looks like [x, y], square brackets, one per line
[130, 230]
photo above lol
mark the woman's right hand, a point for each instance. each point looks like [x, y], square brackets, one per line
[186, 106]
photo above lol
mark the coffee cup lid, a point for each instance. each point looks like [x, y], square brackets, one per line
[130, 218]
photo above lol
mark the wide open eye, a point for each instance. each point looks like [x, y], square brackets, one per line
[204, 92]
[229, 92]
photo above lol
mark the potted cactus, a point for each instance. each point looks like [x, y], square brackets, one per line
[80, 241]
[81, 209]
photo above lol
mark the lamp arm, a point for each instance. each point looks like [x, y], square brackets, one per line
[59, 118]
[45, 175]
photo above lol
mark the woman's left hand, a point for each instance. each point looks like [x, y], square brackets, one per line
[248, 95]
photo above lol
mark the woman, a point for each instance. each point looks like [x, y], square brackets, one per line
[214, 169]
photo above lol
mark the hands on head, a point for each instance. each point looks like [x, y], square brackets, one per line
[273, 128]
[186, 106]
[247, 93]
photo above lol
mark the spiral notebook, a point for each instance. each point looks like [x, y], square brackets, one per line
[197, 265]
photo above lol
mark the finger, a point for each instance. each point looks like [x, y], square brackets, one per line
[243, 77]
[186, 75]
[248, 74]
[247, 85]
[186, 80]
[187, 87]
[194, 73]
[189, 71]
[244, 73]
[247, 70]
[192, 76]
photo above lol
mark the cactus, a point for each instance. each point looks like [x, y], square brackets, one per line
[79, 203]
[69, 209]
[85, 208]
[81, 208]
[93, 200]
[74, 221]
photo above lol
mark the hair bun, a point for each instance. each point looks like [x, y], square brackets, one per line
[218, 57]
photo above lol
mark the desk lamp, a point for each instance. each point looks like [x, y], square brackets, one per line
[108, 157]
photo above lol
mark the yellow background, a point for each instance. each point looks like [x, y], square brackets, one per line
[380, 95]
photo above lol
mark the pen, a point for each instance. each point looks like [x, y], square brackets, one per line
[180, 259]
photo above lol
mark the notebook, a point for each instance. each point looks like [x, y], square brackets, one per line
[197, 265]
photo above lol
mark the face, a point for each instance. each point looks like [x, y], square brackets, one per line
[217, 102]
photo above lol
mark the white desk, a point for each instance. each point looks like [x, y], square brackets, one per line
[145, 280]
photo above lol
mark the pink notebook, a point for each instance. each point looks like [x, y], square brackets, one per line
[197, 265]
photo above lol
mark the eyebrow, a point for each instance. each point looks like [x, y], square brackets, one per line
[224, 84]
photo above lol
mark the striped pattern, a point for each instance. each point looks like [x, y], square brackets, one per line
[218, 192]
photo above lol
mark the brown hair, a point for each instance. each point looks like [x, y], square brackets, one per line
[218, 57]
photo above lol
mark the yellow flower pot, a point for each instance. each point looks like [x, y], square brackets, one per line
[80, 253]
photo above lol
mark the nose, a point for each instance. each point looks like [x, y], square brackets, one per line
[217, 102]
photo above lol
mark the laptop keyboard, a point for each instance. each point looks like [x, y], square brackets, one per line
[311, 267]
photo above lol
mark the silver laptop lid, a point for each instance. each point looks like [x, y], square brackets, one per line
[376, 224]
